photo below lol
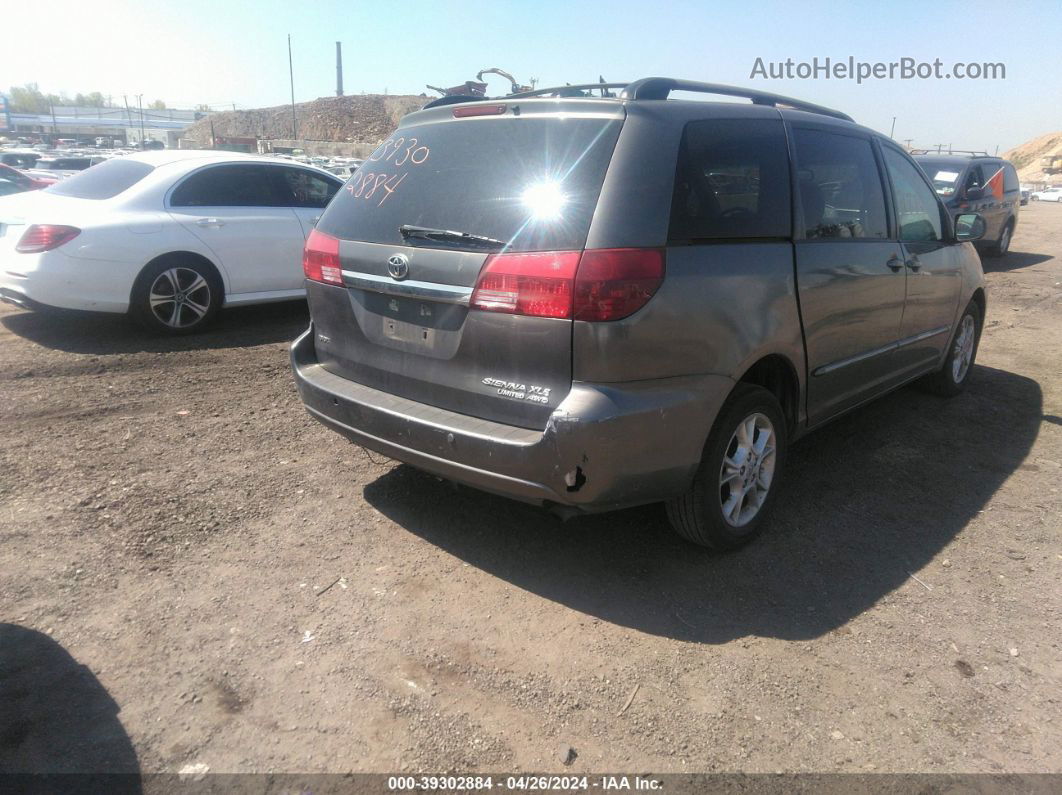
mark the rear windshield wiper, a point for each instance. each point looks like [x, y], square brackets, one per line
[410, 232]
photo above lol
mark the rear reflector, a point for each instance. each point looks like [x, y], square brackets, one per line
[320, 259]
[478, 110]
[537, 284]
[44, 237]
[597, 285]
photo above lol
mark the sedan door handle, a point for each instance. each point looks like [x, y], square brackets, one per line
[209, 222]
[895, 263]
[914, 264]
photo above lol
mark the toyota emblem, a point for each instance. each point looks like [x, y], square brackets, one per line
[398, 266]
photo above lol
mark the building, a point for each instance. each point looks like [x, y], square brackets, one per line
[127, 126]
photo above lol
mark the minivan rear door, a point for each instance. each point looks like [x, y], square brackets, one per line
[451, 187]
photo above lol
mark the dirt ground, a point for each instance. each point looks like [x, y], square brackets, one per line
[192, 571]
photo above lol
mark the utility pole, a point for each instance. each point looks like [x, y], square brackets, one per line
[140, 110]
[339, 68]
[291, 76]
[907, 143]
[55, 128]
[893, 127]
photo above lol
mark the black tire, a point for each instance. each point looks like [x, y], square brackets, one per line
[198, 293]
[1002, 246]
[950, 380]
[698, 515]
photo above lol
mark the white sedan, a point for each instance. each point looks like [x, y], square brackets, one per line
[1049, 195]
[168, 237]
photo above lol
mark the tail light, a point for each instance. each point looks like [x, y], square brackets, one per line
[539, 284]
[44, 237]
[596, 285]
[320, 259]
[613, 283]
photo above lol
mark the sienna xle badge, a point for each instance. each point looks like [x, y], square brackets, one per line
[594, 302]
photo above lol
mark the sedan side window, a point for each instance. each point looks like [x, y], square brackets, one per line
[301, 188]
[227, 186]
[917, 209]
[839, 186]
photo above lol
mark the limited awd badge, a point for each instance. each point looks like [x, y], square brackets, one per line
[398, 266]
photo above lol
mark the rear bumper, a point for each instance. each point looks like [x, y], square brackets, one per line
[606, 446]
[55, 280]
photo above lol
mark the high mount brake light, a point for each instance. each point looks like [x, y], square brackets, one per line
[597, 285]
[478, 110]
[39, 238]
[320, 259]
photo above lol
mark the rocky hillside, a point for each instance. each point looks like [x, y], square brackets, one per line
[1027, 158]
[366, 118]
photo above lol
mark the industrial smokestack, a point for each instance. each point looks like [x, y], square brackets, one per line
[339, 69]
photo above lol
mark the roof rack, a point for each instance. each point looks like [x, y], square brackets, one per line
[950, 151]
[655, 88]
[661, 87]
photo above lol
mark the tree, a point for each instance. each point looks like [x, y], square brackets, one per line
[158, 104]
[28, 99]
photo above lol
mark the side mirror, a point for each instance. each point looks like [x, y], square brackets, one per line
[969, 227]
[973, 194]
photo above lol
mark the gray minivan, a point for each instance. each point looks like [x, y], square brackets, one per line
[978, 184]
[590, 303]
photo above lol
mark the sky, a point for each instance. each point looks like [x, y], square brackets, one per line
[221, 53]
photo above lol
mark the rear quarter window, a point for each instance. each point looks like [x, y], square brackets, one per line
[732, 181]
[530, 181]
[103, 181]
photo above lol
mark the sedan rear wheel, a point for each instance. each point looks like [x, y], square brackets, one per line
[176, 297]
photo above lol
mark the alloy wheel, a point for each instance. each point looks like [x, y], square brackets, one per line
[179, 297]
[747, 471]
[962, 354]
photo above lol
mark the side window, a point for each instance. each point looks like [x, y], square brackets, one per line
[839, 186]
[974, 178]
[301, 188]
[732, 181]
[227, 186]
[1010, 178]
[917, 210]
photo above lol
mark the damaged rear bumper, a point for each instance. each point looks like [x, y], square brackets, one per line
[606, 446]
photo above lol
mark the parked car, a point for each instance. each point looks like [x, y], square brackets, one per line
[9, 186]
[590, 303]
[17, 158]
[1047, 195]
[978, 184]
[25, 180]
[168, 237]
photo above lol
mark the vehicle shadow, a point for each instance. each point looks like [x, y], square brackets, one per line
[1014, 260]
[102, 334]
[57, 719]
[868, 500]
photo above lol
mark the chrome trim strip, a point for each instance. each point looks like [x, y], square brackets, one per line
[892, 346]
[429, 291]
[923, 336]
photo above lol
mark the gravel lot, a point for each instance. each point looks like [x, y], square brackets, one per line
[174, 530]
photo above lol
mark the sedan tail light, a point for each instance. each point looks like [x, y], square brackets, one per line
[44, 237]
[320, 259]
[596, 285]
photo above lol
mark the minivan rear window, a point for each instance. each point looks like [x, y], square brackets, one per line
[530, 182]
[102, 181]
